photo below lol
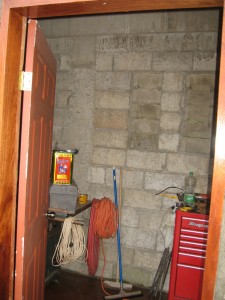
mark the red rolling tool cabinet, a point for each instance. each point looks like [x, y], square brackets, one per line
[188, 256]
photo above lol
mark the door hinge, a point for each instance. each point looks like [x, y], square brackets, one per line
[25, 81]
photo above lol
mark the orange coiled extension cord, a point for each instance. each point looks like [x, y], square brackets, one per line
[103, 225]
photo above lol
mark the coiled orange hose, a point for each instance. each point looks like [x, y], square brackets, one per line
[103, 225]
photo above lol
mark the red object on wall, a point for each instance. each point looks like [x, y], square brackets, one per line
[188, 256]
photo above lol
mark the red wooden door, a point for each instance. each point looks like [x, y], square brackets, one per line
[34, 173]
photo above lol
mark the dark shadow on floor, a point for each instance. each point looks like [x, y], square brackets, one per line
[71, 286]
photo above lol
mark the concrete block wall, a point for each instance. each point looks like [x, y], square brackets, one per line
[136, 91]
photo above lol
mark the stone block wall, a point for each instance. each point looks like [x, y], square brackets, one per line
[138, 92]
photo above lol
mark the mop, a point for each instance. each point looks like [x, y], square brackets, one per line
[122, 294]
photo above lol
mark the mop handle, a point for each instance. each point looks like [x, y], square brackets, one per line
[118, 229]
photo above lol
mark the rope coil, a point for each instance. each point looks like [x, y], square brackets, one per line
[71, 244]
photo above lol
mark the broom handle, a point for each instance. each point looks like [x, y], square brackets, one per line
[118, 230]
[119, 213]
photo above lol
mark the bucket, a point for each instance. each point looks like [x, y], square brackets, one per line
[202, 203]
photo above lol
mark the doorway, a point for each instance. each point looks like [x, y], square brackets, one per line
[9, 187]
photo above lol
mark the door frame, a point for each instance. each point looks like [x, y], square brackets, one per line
[12, 36]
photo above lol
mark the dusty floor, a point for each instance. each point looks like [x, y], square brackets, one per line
[70, 286]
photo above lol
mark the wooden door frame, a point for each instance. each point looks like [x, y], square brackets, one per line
[12, 32]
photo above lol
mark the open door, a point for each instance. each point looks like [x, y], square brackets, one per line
[35, 164]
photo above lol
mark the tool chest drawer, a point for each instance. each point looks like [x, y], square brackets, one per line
[194, 223]
[188, 256]
[191, 259]
[193, 276]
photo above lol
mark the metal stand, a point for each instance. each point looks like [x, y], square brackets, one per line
[161, 273]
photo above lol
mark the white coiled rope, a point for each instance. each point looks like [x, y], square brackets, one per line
[71, 244]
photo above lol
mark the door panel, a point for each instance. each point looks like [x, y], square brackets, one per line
[35, 161]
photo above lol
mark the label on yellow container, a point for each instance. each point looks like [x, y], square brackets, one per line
[62, 167]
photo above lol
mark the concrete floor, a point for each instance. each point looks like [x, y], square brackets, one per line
[70, 286]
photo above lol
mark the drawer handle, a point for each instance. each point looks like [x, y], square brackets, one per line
[192, 255]
[192, 243]
[190, 267]
[191, 249]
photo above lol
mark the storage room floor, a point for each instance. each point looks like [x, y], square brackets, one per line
[71, 286]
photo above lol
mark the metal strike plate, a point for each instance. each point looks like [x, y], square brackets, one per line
[25, 81]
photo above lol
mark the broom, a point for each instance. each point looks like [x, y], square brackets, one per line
[122, 294]
[116, 284]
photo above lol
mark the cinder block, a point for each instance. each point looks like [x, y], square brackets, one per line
[99, 24]
[128, 236]
[59, 114]
[132, 61]
[60, 27]
[205, 61]
[207, 20]
[144, 126]
[190, 41]
[64, 81]
[130, 217]
[105, 156]
[151, 219]
[160, 181]
[199, 113]
[208, 41]
[169, 142]
[83, 53]
[140, 198]
[199, 130]
[111, 253]
[148, 22]
[108, 272]
[148, 81]
[132, 179]
[98, 191]
[171, 102]
[170, 121]
[157, 42]
[113, 43]
[104, 62]
[200, 97]
[114, 119]
[172, 61]
[149, 111]
[46, 25]
[96, 175]
[144, 141]
[146, 239]
[60, 45]
[200, 82]
[62, 98]
[173, 81]
[111, 138]
[146, 96]
[138, 238]
[198, 145]
[147, 259]
[146, 160]
[112, 99]
[184, 163]
[136, 275]
[110, 249]
[115, 81]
